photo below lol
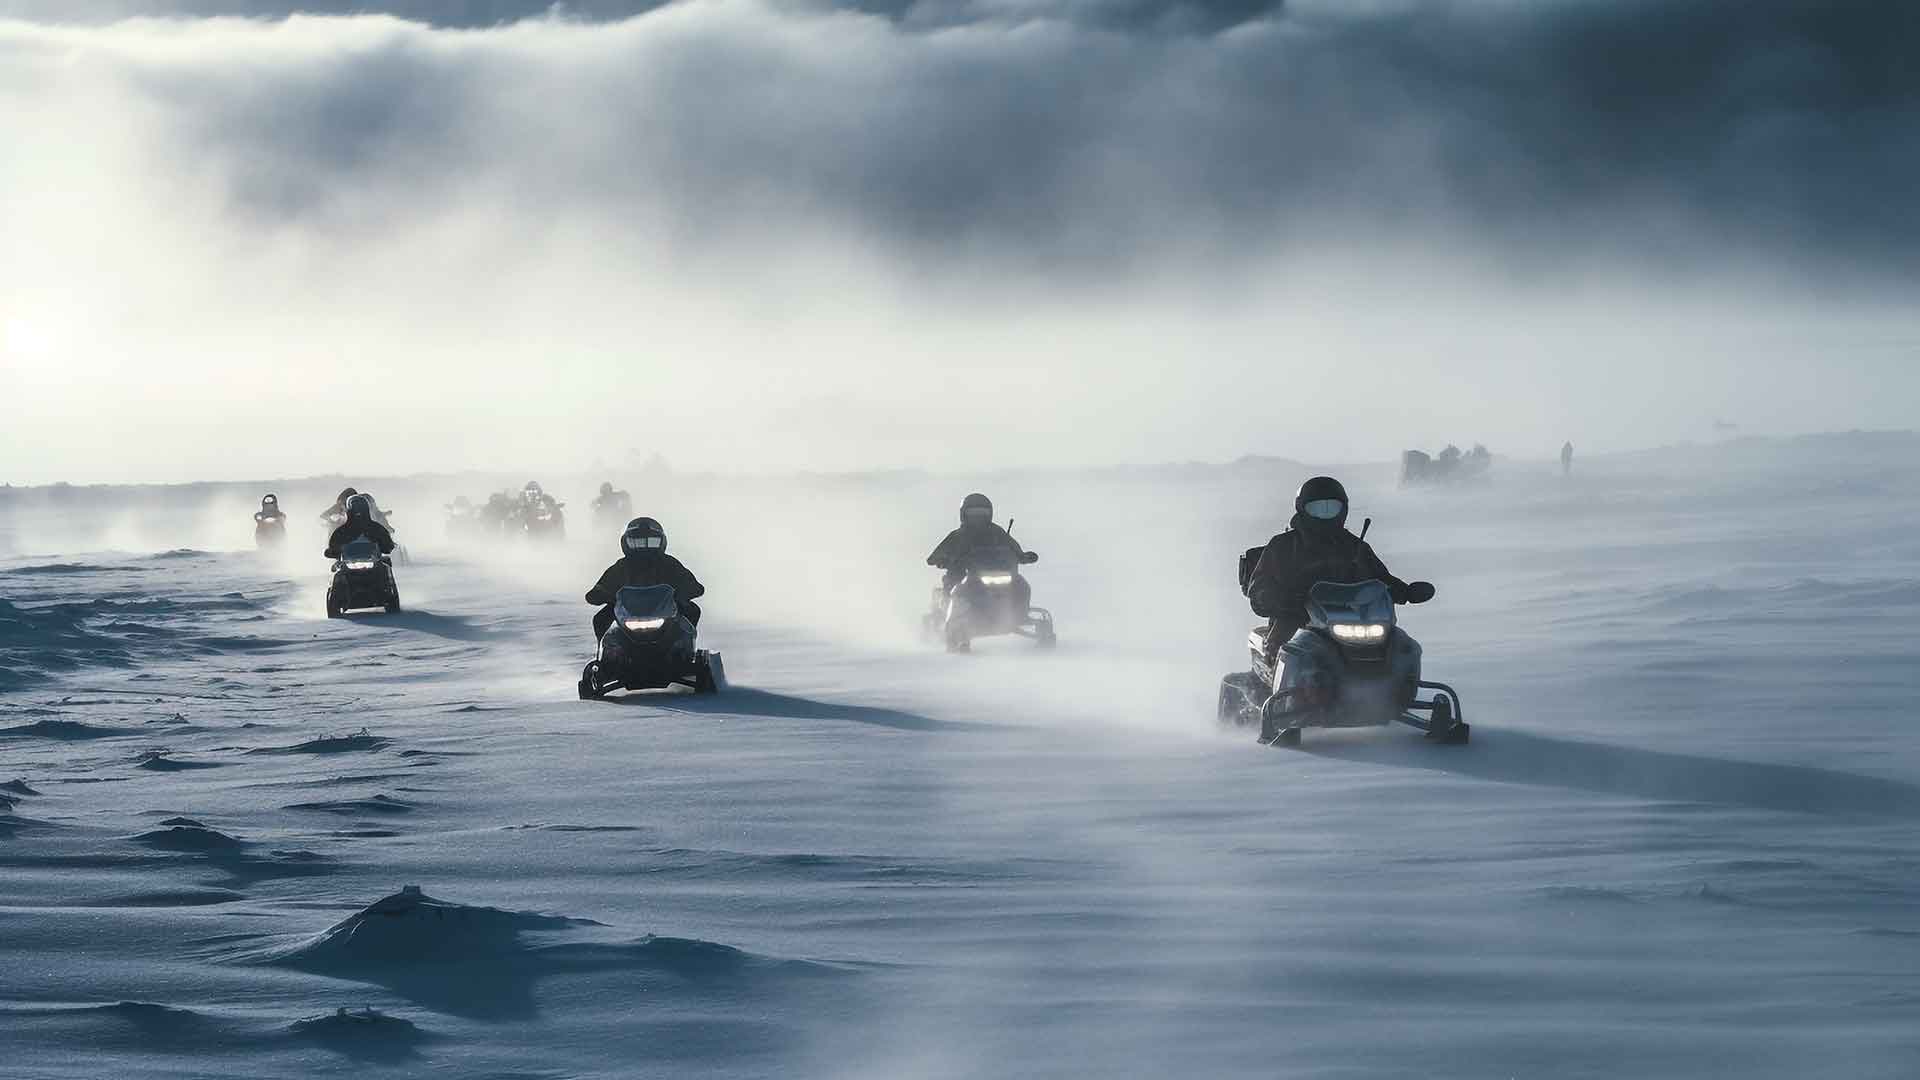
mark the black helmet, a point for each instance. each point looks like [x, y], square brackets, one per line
[1321, 503]
[270, 499]
[981, 509]
[345, 494]
[606, 488]
[360, 508]
[643, 536]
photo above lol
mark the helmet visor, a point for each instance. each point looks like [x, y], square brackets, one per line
[639, 542]
[1325, 509]
[976, 515]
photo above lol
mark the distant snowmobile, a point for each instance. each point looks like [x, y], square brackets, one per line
[401, 557]
[1350, 666]
[1450, 466]
[990, 598]
[269, 524]
[544, 521]
[464, 521]
[362, 579]
[611, 509]
[650, 646]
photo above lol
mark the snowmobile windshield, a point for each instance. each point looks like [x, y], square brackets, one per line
[360, 554]
[645, 602]
[1333, 604]
[991, 558]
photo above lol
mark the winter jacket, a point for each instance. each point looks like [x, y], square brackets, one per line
[351, 530]
[654, 569]
[1298, 559]
[964, 541]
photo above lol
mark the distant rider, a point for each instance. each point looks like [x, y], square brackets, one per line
[977, 534]
[337, 513]
[644, 561]
[1316, 547]
[359, 523]
[612, 503]
[269, 510]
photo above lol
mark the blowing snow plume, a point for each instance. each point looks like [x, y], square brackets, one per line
[818, 235]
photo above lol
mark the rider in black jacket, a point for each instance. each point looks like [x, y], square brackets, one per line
[644, 561]
[359, 523]
[1316, 547]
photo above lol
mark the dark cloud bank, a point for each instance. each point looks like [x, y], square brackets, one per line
[1092, 132]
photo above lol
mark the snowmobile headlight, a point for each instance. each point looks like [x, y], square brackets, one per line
[360, 564]
[996, 579]
[1359, 632]
[638, 625]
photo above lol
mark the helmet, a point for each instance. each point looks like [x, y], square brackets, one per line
[360, 508]
[270, 502]
[606, 488]
[643, 536]
[345, 494]
[532, 485]
[1321, 503]
[976, 509]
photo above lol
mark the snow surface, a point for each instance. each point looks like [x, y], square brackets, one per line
[1682, 842]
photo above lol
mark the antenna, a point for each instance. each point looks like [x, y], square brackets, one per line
[1364, 526]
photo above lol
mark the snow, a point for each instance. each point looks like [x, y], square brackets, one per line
[1681, 843]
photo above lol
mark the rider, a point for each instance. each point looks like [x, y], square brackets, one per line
[611, 501]
[1316, 547]
[337, 513]
[977, 533]
[359, 524]
[644, 561]
[269, 510]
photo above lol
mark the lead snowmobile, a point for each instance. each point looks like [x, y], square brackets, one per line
[1350, 666]
[362, 579]
[650, 646]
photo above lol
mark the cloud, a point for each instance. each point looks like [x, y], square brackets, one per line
[1077, 131]
[1128, 207]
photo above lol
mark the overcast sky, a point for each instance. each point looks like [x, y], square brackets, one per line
[754, 235]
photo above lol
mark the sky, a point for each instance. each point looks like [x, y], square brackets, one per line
[239, 241]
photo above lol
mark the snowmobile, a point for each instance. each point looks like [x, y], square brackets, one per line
[612, 511]
[544, 521]
[991, 598]
[1350, 666]
[401, 557]
[650, 646]
[269, 532]
[362, 579]
[463, 520]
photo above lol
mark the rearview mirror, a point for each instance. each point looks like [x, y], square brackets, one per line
[1419, 592]
[1028, 558]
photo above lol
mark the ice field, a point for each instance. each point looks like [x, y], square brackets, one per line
[1682, 842]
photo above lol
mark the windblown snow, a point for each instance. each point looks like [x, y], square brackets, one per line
[240, 840]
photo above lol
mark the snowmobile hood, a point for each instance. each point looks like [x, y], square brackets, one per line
[1332, 603]
[645, 602]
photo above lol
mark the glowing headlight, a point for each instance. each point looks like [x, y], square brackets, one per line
[637, 625]
[360, 564]
[1359, 632]
[996, 579]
